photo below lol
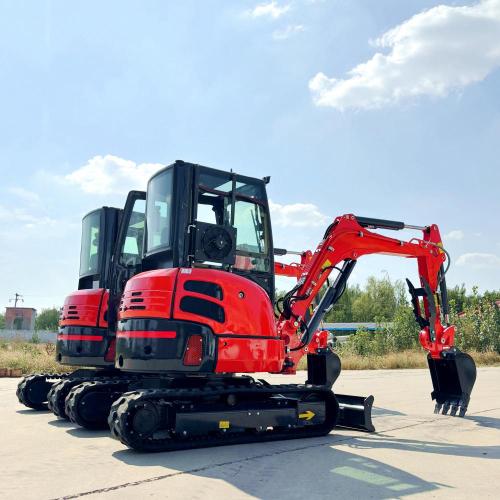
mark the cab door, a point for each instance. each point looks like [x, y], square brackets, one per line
[127, 259]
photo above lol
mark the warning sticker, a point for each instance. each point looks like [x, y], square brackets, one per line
[223, 424]
[326, 264]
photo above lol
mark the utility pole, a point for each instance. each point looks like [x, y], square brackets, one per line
[17, 298]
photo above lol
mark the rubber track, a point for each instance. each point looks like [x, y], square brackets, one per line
[23, 389]
[121, 409]
[57, 395]
[75, 395]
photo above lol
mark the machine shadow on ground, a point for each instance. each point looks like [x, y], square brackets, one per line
[79, 432]
[384, 441]
[385, 412]
[271, 470]
[491, 422]
[29, 411]
[59, 422]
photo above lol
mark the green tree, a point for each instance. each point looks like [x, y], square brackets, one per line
[478, 326]
[2, 321]
[342, 311]
[48, 319]
[457, 296]
[377, 302]
[403, 331]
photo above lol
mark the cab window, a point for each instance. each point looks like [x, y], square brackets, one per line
[158, 211]
[131, 254]
[89, 252]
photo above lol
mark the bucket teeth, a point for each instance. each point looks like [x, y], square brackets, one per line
[454, 407]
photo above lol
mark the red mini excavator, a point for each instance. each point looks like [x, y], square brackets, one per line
[88, 318]
[202, 312]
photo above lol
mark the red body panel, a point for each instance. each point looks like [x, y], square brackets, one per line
[239, 355]
[81, 308]
[149, 294]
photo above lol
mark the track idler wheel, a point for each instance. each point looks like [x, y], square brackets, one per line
[88, 404]
[32, 391]
[453, 377]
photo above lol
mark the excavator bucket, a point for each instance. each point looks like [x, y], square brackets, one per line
[355, 412]
[453, 378]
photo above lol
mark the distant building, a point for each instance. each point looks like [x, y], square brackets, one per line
[20, 318]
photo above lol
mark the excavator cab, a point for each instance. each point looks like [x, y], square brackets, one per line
[82, 338]
[111, 252]
[207, 218]
[86, 335]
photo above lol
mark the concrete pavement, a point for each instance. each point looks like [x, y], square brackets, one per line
[414, 453]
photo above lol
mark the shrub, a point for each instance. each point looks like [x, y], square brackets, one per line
[478, 327]
[403, 332]
[365, 343]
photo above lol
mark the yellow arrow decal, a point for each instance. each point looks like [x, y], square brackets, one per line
[307, 415]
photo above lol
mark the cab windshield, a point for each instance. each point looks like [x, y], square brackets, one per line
[89, 252]
[250, 216]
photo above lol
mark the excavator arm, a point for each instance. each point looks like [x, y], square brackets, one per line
[346, 240]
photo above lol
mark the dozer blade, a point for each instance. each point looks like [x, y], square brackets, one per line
[355, 412]
[453, 378]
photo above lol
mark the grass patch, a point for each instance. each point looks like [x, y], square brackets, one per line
[403, 359]
[29, 357]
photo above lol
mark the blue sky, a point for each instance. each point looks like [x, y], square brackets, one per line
[388, 109]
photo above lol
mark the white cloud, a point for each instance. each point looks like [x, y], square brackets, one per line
[456, 234]
[433, 53]
[15, 218]
[24, 194]
[297, 215]
[287, 32]
[111, 174]
[479, 261]
[270, 9]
